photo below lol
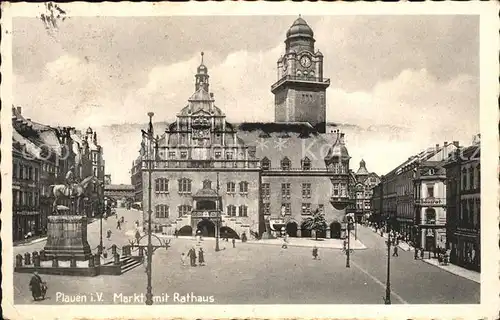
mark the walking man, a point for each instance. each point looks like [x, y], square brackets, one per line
[201, 257]
[37, 287]
[118, 225]
[192, 256]
[315, 253]
[395, 251]
[234, 243]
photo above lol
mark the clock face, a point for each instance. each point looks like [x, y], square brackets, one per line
[305, 61]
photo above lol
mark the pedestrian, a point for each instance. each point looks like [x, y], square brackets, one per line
[37, 287]
[234, 243]
[183, 259]
[192, 256]
[201, 257]
[176, 233]
[395, 251]
[315, 253]
[108, 234]
[118, 225]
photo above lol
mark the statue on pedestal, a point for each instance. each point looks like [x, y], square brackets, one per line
[71, 190]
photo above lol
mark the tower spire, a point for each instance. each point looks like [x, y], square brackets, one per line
[202, 53]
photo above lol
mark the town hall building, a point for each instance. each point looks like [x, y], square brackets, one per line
[254, 178]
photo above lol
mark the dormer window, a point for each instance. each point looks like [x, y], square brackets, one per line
[207, 184]
[285, 164]
[306, 164]
[266, 164]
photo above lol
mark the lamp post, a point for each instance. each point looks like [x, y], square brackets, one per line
[388, 281]
[348, 249]
[218, 207]
[150, 137]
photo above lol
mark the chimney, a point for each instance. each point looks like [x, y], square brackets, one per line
[456, 144]
[19, 110]
[445, 143]
[29, 119]
[211, 95]
[342, 138]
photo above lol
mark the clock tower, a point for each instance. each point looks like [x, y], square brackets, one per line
[300, 92]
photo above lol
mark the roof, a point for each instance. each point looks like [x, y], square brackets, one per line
[206, 192]
[127, 187]
[275, 141]
[299, 28]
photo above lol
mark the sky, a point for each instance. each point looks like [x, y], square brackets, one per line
[405, 82]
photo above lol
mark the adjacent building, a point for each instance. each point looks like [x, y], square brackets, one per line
[121, 194]
[413, 196]
[260, 178]
[463, 206]
[50, 152]
[364, 182]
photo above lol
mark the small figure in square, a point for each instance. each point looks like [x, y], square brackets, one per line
[201, 257]
[395, 251]
[183, 259]
[315, 253]
[234, 243]
[108, 234]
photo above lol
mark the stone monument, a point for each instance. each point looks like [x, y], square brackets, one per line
[67, 227]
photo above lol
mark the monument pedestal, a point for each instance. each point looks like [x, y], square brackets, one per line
[67, 237]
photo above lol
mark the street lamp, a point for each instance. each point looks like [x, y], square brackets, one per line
[150, 137]
[388, 281]
[218, 207]
[348, 250]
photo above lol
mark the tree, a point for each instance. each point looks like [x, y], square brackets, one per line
[317, 222]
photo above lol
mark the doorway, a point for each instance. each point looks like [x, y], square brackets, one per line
[206, 227]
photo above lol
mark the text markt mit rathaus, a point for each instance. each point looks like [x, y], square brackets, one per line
[163, 298]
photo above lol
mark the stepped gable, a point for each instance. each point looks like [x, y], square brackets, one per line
[275, 141]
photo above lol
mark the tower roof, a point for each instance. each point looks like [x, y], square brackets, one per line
[362, 168]
[300, 28]
[202, 68]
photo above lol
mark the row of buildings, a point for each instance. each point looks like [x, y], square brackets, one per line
[433, 199]
[41, 157]
[254, 177]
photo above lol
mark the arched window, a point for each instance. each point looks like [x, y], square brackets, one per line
[265, 164]
[464, 179]
[231, 187]
[311, 74]
[243, 187]
[243, 211]
[430, 216]
[306, 164]
[161, 185]
[299, 74]
[285, 164]
[231, 210]
[184, 185]
[161, 211]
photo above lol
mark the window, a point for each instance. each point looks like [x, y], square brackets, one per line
[231, 210]
[207, 184]
[184, 210]
[430, 191]
[243, 187]
[231, 187]
[30, 173]
[306, 164]
[14, 171]
[306, 190]
[161, 185]
[267, 208]
[343, 190]
[336, 189]
[184, 185]
[464, 179]
[171, 154]
[285, 191]
[217, 154]
[430, 216]
[229, 155]
[36, 174]
[95, 172]
[266, 164]
[478, 176]
[306, 208]
[285, 164]
[471, 178]
[184, 154]
[243, 211]
[266, 191]
[161, 211]
[287, 207]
